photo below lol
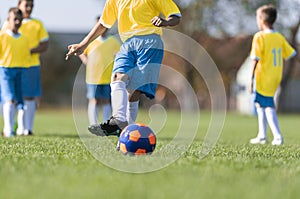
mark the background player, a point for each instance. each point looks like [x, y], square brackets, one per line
[98, 58]
[269, 48]
[38, 40]
[14, 57]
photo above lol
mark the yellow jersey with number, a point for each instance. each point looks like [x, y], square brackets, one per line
[134, 16]
[100, 60]
[36, 33]
[14, 50]
[270, 49]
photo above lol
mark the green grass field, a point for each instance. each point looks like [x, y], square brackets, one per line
[55, 164]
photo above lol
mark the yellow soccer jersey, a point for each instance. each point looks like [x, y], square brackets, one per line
[101, 55]
[14, 51]
[269, 48]
[134, 16]
[36, 33]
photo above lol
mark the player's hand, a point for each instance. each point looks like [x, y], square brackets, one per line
[159, 22]
[74, 49]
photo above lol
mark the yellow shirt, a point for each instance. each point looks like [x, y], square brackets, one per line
[36, 33]
[100, 60]
[14, 50]
[269, 48]
[134, 16]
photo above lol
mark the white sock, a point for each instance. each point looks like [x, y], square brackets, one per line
[132, 112]
[119, 100]
[92, 112]
[273, 122]
[20, 129]
[262, 123]
[29, 113]
[106, 111]
[8, 117]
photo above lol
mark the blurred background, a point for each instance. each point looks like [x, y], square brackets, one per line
[223, 27]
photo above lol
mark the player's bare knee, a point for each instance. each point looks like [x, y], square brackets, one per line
[93, 101]
[119, 77]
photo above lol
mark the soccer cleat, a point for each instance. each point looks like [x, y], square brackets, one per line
[277, 142]
[111, 127]
[7, 135]
[28, 132]
[19, 132]
[258, 141]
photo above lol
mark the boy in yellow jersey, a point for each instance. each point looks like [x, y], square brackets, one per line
[137, 64]
[99, 58]
[38, 40]
[269, 48]
[14, 58]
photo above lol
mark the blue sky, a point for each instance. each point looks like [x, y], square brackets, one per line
[61, 15]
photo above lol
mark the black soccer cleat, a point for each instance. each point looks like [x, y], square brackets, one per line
[111, 127]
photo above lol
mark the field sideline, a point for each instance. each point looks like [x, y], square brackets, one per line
[55, 164]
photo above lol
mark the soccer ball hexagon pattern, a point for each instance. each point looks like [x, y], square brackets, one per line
[137, 139]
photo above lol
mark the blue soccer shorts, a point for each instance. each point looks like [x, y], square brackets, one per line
[264, 101]
[31, 82]
[98, 91]
[11, 85]
[140, 57]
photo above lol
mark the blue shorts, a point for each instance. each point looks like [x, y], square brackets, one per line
[264, 101]
[32, 82]
[11, 85]
[140, 57]
[98, 91]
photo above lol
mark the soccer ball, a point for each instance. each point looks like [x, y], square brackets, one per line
[137, 139]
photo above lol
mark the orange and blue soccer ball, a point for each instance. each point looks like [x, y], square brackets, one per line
[137, 139]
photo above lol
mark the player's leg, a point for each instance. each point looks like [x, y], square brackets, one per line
[104, 98]
[119, 96]
[92, 104]
[8, 96]
[274, 125]
[19, 101]
[133, 106]
[20, 122]
[262, 127]
[119, 101]
[144, 77]
[92, 111]
[124, 62]
[260, 102]
[8, 118]
[106, 109]
[29, 114]
[262, 123]
[31, 91]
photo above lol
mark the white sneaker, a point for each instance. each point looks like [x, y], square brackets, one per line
[7, 135]
[258, 141]
[277, 142]
[20, 132]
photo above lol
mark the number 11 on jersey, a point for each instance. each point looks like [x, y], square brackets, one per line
[277, 57]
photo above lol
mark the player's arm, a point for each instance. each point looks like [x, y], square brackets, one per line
[42, 47]
[172, 20]
[77, 49]
[254, 64]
